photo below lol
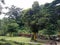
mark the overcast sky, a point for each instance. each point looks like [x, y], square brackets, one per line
[23, 3]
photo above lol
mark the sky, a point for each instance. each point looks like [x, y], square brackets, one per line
[22, 4]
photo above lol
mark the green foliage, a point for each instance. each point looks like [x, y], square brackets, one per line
[12, 27]
[31, 16]
[35, 7]
[40, 17]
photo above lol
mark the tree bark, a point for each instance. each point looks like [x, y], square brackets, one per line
[34, 36]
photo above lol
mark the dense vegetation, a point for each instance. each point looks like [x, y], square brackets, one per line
[44, 18]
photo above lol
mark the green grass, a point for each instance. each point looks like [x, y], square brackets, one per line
[17, 39]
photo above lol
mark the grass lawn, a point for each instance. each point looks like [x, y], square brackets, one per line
[17, 39]
[24, 40]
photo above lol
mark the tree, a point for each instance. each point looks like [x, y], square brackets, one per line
[50, 30]
[55, 13]
[14, 13]
[4, 23]
[51, 12]
[0, 24]
[30, 18]
[35, 7]
[58, 26]
[12, 28]
[53, 4]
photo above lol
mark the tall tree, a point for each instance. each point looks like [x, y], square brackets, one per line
[15, 14]
[51, 12]
[31, 16]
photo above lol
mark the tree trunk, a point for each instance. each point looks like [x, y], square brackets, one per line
[49, 37]
[34, 36]
[11, 34]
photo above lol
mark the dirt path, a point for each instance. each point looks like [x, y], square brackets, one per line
[58, 43]
[47, 42]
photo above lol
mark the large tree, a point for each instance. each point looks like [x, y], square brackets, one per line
[14, 13]
[52, 13]
[31, 18]
[13, 27]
